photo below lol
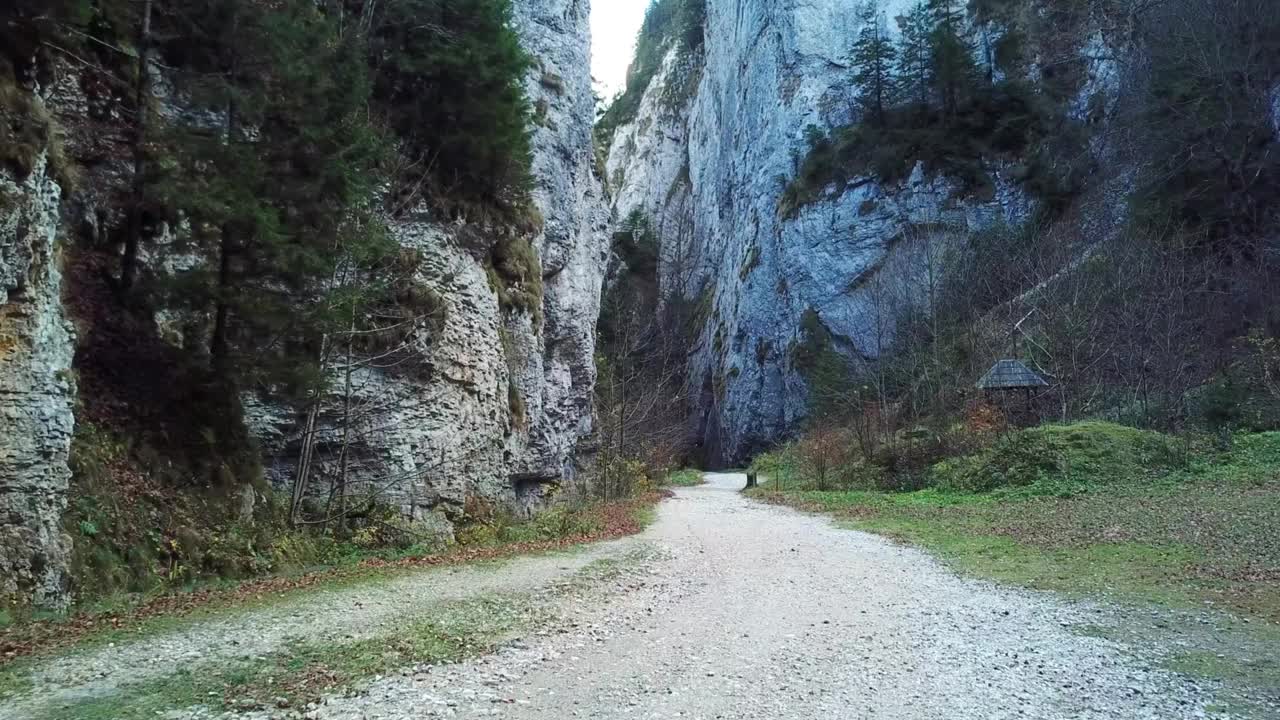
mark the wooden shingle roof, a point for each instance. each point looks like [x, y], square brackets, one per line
[1009, 375]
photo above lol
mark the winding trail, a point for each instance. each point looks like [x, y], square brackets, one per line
[743, 610]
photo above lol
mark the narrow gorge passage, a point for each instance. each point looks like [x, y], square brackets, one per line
[729, 608]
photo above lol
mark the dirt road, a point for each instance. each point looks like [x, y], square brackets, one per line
[742, 610]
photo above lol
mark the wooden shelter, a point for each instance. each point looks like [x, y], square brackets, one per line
[1010, 376]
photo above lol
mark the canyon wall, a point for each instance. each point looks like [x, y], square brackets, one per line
[488, 405]
[718, 136]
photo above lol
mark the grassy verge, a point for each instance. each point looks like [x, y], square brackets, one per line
[131, 618]
[302, 673]
[685, 478]
[1092, 511]
[1093, 520]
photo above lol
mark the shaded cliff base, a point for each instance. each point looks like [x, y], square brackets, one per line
[167, 494]
[24, 633]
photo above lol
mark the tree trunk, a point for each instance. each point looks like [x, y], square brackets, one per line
[219, 347]
[133, 234]
[307, 451]
[344, 456]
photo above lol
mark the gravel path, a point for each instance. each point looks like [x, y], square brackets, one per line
[362, 610]
[754, 611]
[763, 612]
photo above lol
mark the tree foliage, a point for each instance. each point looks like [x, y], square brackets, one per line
[924, 102]
[279, 192]
[915, 61]
[666, 23]
[951, 54]
[449, 74]
[1204, 117]
[874, 57]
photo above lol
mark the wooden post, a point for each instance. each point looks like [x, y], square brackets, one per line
[751, 480]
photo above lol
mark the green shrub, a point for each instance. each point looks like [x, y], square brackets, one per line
[1080, 454]
[666, 22]
[501, 528]
[25, 125]
[515, 273]
[553, 524]
[1246, 395]
[1010, 119]
[451, 78]
[684, 478]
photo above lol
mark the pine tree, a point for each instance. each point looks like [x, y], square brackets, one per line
[451, 78]
[950, 53]
[874, 57]
[142, 110]
[277, 197]
[915, 56]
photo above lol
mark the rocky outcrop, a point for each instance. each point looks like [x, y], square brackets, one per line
[491, 403]
[710, 167]
[37, 391]
[486, 403]
[573, 245]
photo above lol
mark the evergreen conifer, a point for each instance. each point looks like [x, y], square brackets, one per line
[915, 54]
[874, 57]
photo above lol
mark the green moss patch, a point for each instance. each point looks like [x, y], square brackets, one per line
[515, 274]
[1088, 453]
[685, 478]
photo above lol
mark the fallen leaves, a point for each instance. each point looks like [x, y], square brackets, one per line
[616, 519]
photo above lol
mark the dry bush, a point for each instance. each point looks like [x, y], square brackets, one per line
[824, 452]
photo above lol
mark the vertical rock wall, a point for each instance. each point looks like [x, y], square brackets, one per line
[37, 391]
[710, 169]
[493, 402]
[489, 404]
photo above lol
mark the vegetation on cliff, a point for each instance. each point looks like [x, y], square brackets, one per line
[926, 98]
[246, 156]
[668, 24]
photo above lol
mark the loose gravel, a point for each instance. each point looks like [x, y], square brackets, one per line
[747, 611]
[359, 611]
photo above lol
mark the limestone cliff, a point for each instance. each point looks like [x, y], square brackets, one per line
[37, 389]
[710, 165]
[496, 400]
[488, 404]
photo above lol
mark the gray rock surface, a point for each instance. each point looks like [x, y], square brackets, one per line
[710, 169]
[575, 239]
[37, 392]
[438, 428]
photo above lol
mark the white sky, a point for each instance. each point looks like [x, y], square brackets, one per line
[614, 24]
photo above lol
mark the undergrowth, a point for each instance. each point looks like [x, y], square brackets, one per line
[685, 478]
[1087, 508]
[488, 536]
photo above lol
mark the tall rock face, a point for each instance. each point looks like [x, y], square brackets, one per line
[492, 401]
[486, 403]
[37, 390]
[573, 245]
[708, 159]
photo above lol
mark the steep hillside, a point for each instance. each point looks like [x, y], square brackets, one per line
[401, 337]
[812, 226]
